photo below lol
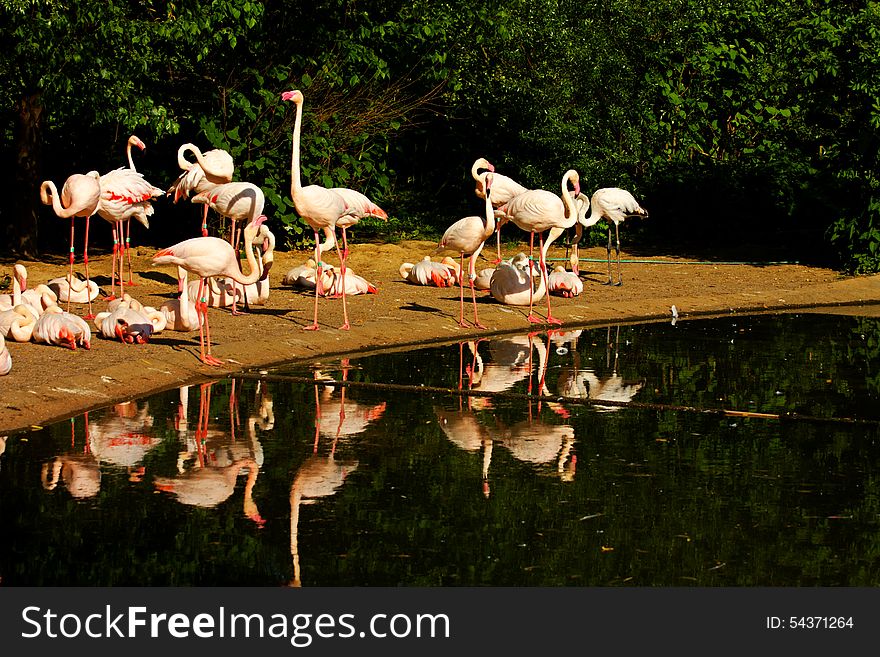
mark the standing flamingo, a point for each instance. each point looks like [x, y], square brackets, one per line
[538, 210]
[363, 207]
[503, 189]
[80, 197]
[211, 256]
[133, 141]
[321, 208]
[215, 167]
[237, 201]
[467, 236]
[614, 205]
[125, 194]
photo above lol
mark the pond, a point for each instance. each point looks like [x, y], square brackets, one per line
[739, 451]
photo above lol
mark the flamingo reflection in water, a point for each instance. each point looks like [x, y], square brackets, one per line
[322, 476]
[585, 383]
[213, 459]
[120, 437]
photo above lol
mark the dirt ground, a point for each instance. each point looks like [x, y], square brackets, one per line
[49, 383]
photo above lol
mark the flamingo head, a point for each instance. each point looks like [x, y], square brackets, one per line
[133, 333]
[294, 95]
[134, 140]
[66, 338]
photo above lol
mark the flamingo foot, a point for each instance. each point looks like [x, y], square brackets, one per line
[534, 319]
[310, 327]
[89, 317]
[552, 320]
[131, 283]
[345, 327]
[211, 360]
[480, 325]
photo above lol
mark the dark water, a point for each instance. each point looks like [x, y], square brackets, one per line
[251, 483]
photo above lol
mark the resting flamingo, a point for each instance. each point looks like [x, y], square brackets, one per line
[77, 289]
[321, 208]
[564, 283]
[615, 205]
[211, 256]
[467, 237]
[536, 211]
[428, 272]
[5, 358]
[80, 197]
[125, 194]
[17, 324]
[236, 201]
[504, 188]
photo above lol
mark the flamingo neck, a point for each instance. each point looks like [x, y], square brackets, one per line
[568, 197]
[130, 159]
[255, 270]
[295, 184]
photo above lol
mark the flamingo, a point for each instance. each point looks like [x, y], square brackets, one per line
[258, 293]
[80, 197]
[181, 313]
[362, 207]
[214, 167]
[513, 282]
[17, 324]
[58, 327]
[504, 189]
[468, 236]
[130, 323]
[5, 358]
[564, 283]
[321, 208]
[77, 290]
[615, 205]
[428, 272]
[125, 194]
[536, 211]
[236, 201]
[211, 256]
[19, 284]
[133, 141]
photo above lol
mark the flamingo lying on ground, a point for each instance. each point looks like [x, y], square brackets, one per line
[564, 283]
[429, 272]
[211, 256]
[5, 358]
[58, 327]
[77, 289]
[17, 324]
[19, 283]
[513, 282]
[129, 322]
[181, 313]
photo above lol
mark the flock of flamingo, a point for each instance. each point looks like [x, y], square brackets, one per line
[124, 194]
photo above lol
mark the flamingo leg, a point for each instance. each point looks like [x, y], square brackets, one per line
[319, 285]
[497, 244]
[608, 251]
[461, 321]
[343, 260]
[70, 276]
[205, 335]
[534, 319]
[545, 277]
[91, 315]
[617, 239]
[205, 222]
[113, 265]
[128, 250]
[472, 275]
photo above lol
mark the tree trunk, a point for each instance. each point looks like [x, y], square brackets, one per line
[22, 226]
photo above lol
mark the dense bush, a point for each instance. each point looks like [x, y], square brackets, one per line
[740, 126]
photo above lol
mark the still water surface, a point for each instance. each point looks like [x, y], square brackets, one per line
[282, 481]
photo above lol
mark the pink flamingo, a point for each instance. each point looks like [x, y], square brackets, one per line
[363, 207]
[614, 205]
[215, 167]
[80, 197]
[5, 358]
[536, 211]
[19, 284]
[467, 237]
[211, 256]
[321, 208]
[125, 194]
[503, 189]
[133, 140]
[237, 201]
